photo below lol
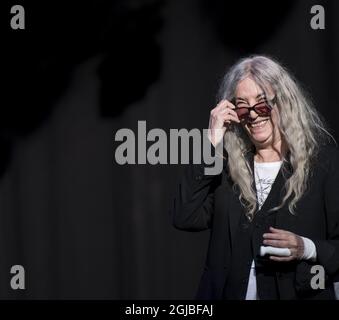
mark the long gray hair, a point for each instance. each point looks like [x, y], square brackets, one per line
[301, 128]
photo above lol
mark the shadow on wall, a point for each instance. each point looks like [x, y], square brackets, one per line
[244, 27]
[37, 62]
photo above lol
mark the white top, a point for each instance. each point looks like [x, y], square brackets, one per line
[264, 176]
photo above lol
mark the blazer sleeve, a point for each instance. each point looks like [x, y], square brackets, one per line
[328, 250]
[193, 204]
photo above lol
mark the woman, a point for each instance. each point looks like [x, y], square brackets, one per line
[279, 188]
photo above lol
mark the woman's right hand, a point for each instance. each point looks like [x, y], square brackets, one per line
[220, 119]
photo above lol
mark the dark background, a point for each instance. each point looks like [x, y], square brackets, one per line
[81, 225]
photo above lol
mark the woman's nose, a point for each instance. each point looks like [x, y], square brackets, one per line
[253, 114]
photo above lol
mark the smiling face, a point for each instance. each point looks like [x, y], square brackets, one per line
[262, 130]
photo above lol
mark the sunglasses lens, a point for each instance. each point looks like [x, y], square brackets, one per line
[242, 113]
[262, 109]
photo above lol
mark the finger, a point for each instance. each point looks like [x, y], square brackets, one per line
[275, 230]
[230, 117]
[230, 104]
[281, 259]
[279, 236]
[225, 104]
[277, 243]
[221, 105]
[229, 113]
[294, 252]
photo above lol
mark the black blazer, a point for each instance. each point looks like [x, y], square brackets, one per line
[209, 202]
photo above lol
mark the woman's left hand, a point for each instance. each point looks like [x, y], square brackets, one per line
[285, 239]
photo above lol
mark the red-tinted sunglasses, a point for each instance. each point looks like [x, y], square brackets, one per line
[262, 108]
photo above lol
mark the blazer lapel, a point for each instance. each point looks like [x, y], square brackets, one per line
[236, 210]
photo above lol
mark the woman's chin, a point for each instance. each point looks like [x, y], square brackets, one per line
[260, 138]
